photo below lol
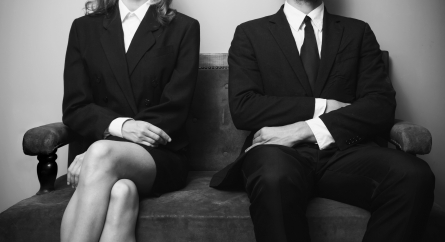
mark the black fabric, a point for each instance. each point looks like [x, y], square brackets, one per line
[310, 56]
[153, 82]
[268, 85]
[397, 188]
[171, 168]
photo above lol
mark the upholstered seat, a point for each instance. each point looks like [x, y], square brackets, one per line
[197, 212]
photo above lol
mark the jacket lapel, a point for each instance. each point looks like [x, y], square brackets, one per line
[332, 35]
[282, 33]
[112, 40]
[143, 39]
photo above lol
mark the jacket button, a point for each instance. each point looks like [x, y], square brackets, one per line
[154, 83]
[147, 102]
[105, 99]
[97, 79]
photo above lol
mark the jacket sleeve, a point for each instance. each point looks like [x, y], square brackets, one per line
[80, 113]
[251, 108]
[372, 113]
[171, 112]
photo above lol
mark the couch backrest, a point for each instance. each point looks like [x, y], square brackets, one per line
[214, 140]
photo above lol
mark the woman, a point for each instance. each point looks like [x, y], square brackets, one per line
[130, 73]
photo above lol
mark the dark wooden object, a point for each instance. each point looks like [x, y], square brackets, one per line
[43, 142]
[46, 172]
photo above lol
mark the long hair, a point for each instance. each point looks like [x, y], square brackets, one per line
[103, 7]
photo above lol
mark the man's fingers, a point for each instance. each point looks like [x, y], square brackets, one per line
[256, 140]
[254, 145]
[258, 133]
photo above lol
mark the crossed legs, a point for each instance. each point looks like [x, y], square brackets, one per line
[104, 206]
[395, 187]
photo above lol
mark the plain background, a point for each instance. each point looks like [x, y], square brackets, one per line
[34, 36]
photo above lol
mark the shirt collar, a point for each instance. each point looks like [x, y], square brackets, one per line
[295, 17]
[140, 12]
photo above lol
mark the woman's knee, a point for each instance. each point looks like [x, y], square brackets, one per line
[99, 156]
[101, 149]
[124, 192]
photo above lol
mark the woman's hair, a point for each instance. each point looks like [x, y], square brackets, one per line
[98, 7]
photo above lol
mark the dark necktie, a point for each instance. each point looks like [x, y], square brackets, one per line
[309, 53]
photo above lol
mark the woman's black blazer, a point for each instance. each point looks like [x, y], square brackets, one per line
[153, 82]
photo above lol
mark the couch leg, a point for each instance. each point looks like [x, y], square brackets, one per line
[46, 172]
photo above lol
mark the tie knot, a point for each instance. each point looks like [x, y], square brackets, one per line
[307, 20]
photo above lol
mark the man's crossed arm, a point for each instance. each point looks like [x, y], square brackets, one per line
[292, 134]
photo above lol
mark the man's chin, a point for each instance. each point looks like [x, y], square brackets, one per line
[307, 1]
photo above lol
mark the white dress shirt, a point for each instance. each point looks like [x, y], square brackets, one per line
[296, 21]
[130, 24]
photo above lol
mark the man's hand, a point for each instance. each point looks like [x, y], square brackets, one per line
[144, 133]
[332, 105]
[288, 135]
[72, 176]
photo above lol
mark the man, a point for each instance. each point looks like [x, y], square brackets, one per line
[312, 88]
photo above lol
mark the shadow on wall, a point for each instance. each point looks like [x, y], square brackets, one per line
[345, 8]
[336, 6]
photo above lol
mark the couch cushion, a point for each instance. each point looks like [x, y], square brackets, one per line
[195, 213]
[214, 140]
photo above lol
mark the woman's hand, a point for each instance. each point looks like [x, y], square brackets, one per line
[72, 177]
[144, 133]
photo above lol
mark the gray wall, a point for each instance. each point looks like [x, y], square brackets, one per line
[34, 37]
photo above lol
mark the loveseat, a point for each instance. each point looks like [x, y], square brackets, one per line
[197, 212]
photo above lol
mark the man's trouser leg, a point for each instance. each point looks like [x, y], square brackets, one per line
[279, 182]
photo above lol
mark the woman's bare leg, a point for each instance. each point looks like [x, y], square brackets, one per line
[104, 164]
[120, 224]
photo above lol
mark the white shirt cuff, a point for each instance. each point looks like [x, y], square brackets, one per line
[320, 107]
[115, 127]
[321, 133]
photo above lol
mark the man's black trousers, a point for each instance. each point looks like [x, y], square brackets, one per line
[397, 188]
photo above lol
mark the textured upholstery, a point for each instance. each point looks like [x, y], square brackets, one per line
[197, 212]
[46, 139]
[411, 138]
[214, 140]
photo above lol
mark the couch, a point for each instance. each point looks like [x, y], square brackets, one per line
[197, 212]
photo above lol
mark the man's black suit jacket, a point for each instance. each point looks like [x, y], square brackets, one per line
[153, 82]
[268, 85]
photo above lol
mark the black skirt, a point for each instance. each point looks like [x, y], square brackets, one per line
[171, 168]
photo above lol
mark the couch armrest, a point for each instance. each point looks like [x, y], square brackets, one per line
[410, 138]
[46, 139]
[43, 142]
